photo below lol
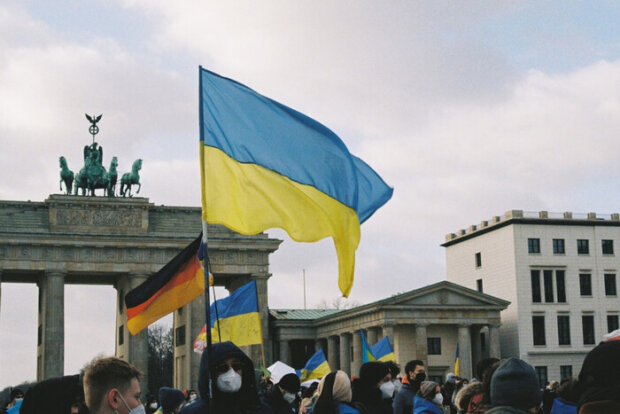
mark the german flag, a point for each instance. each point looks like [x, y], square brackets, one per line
[175, 285]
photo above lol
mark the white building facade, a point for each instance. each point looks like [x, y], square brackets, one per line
[558, 271]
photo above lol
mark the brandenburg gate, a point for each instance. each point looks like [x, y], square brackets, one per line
[69, 239]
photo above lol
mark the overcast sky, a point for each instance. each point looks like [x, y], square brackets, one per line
[468, 109]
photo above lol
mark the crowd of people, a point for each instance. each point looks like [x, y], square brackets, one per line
[111, 385]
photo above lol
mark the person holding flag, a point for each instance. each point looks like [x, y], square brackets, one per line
[233, 384]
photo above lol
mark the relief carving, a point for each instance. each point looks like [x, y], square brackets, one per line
[99, 218]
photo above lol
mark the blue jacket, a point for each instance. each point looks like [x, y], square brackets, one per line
[561, 406]
[422, 406]
[346, 409]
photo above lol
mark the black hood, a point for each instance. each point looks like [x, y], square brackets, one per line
[247, 397]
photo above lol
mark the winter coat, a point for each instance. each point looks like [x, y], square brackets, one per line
[369, 398]
[274, 399]
[403, 401]
[423, 406]
[561, 406]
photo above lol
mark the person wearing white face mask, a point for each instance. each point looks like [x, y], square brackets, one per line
[373, 390]
[282, 398]
[429, 399]
[112, 386]
[232, 381]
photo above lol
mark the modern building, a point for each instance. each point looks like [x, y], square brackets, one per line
[426, 324]
[558, 271]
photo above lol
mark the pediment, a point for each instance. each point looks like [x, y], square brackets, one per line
[445, 294]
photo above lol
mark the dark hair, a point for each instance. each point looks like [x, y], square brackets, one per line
[325, 403]
[105, 374]
[482, 366]
[394, 368]
[308, 392]
[486, 382]
[411, 365]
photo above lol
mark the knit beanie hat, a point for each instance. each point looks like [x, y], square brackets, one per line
[290, 382]
[515, 384]
[427, 389]
[170, 398]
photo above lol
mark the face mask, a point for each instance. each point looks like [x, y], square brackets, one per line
[288, 397]
[153, 405]
[438, 399]
[420, 377]
[387, 390]
[138, 410]
[193, 397]
[229, 382]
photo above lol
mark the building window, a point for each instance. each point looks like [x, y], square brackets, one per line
[541, 372]
[479, 285]
[535, 275]
[533, 245]
[566, 371]
[587, 322]
[478, 259]
[179, 336]
[548, 282]
[610, 284]
[563, 330]
[583, 246]
[585, 284]
[612, 323]
[538, 325]
[433, 346]
[558, 246]
[608, 246]
[121, 335]
[560, 286]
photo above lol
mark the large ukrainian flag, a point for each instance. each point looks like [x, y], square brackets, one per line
[316, 367]
[383, 351]
[265, 165]
[236, 317]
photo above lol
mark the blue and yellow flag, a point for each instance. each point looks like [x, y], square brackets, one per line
[367, 354]
[265, 165]
[236, 320]
[457, 370]
[316, 367]
[383, 351]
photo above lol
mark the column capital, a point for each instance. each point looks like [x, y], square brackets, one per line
[55, 272]
[421, 325]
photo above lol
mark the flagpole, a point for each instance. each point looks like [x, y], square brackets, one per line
[205, 240]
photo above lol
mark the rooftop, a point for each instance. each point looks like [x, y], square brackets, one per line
[533, 217]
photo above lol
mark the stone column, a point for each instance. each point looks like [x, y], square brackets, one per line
[421, 344]
[0, 289]
[388, 330]
[494, 349]
[345, 353]
[138, 352]
[371, 336]
[332, 352]
[263, 310]
[465, 351]
[51, 341]
[318, 344]
[356, 360]
[285, 352]
[476, 346]
[188, 320]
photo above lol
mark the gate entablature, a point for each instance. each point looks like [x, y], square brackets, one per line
[116, 241]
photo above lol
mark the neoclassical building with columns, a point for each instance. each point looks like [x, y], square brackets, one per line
[425, 324]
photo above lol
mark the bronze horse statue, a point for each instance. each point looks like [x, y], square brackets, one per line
[66, 175]
[112, 177]
[132, 178]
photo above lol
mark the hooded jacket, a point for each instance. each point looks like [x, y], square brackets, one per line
[424, 406]
[244, 401]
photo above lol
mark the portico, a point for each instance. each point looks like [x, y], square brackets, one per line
[425, 324]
